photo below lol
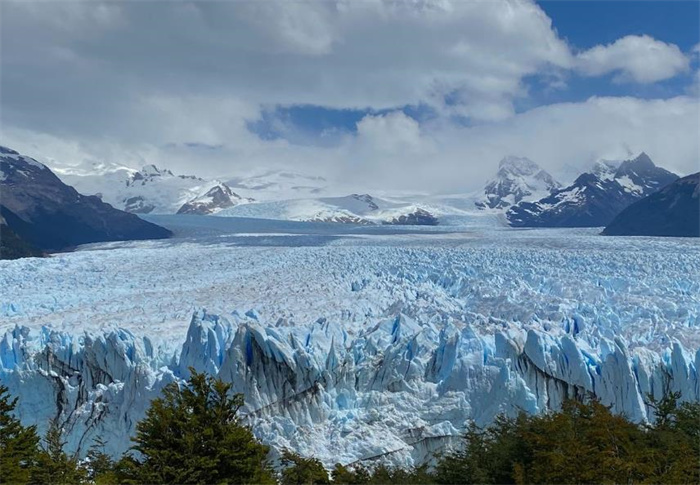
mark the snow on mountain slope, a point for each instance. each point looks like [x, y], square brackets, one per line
[150, 190]
[280, 185]
[355, 208]
[351, 345]
[49, 215]
[605, 169]
[518, 179]
[595, 198]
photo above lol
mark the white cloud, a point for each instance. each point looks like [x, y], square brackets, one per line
[641, 59]
[128, 89]
[562, 138]
[393, 133]
[338, 54]
[393, 151]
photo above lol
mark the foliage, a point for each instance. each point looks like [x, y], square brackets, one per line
[18, 444]
[99, 466]
[53, 464]
[192, 434]
[302, 471]
[582, 443]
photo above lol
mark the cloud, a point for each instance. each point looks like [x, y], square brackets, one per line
[104, 57]
[104, 81]
[393, 133]
[394, 152]
[564, 138]
[637, 58]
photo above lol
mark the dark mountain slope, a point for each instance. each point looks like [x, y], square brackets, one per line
[50, 215]
[594, 199]
[672, 211]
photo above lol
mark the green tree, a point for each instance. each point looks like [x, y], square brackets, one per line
[53, 465]
[470, 464]
[672, 448]
[343, 475]
[583, 443]
[302, 471]
[99, 466]
[18, 444]
[192, 434]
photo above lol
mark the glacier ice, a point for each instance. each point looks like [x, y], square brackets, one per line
[365, 347]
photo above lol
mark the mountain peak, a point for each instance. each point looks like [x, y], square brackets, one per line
[50, 215]
[18, 162]
[151, 170]
[641, 162]
[7, 151]
[218, 197]
[644, 159]
[605, 169]
[518, 178]
[519, 165]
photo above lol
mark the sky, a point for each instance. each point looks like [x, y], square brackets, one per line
[424, 95]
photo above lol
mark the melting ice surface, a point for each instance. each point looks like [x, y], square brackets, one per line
[351, 343]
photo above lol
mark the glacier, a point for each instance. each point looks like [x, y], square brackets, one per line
[350, 343]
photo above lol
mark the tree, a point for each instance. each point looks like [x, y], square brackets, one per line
[470, 464]
[99, 466]
[672, 448]
[302, 471]
[192, 434]
[53, 465]
[342, 475]
[18, 444]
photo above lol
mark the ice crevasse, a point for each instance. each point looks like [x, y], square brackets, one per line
[398, 390]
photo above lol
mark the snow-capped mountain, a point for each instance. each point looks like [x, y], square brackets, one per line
[48, 214]
[605, 169]
[354, 208]
[672, 211]
[215, 199]
[517, 179]
[595, 198]
[151, 190]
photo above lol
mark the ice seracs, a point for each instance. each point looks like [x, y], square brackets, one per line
[398, 390]
[362, 348]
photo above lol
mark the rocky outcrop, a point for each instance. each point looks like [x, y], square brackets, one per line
[672, 211]
[215, 199]
[594, 199]
[51, 215]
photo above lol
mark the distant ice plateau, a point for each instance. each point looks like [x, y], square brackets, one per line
[349, 342]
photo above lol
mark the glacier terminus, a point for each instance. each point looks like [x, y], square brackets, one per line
[351, 343]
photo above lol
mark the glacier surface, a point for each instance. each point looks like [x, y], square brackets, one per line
[350, 343]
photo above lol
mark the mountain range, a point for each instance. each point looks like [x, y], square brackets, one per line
[354, 209]
[41, 213]
[522, 194]
[151, 190]
[594, 198]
